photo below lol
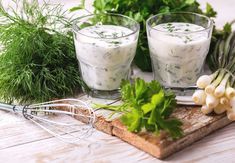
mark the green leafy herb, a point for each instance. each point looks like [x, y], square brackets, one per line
[37, 58]
[227, 28]
[210, 12]
[148, 106]
[222, 56]
[221, 53]
[140, 11]
[81, 6]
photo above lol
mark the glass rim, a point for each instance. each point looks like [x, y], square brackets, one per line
[210, 22]
[77, 30]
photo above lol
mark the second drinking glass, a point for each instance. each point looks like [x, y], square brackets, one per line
[178, 44]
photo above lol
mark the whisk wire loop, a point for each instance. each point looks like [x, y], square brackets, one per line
[70, 131]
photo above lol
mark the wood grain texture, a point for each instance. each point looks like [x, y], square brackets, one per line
[38, 146]
[195, 126]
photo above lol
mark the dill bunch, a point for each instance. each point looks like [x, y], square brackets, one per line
[37, 57]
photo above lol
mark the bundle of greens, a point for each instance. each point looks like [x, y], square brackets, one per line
[218, 89]
[147, 106]
[220, 53]
[37, 59]
[140, 11]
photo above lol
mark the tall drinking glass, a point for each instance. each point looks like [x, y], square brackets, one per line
[178, 44]
[105, 47]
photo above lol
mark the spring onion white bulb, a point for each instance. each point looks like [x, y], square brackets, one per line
[220, 90]
[206, 110]
[231, 111]
[232, 102]
[204, 81]
[220, 108]
[230, 92]
[210, 89]
[211, 101]
[199, 97]
[217, 94]
[231, 114]
[224, 101]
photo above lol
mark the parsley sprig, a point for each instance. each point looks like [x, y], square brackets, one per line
[147, 106]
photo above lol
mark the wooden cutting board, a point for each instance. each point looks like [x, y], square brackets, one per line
[195, 126]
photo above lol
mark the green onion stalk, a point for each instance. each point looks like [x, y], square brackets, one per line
[217, 91]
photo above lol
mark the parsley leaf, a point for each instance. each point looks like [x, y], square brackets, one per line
[227, 28]
[210, 11]
[147, 106]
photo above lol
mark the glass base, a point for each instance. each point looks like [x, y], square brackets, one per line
[182, 91]
[111, 95]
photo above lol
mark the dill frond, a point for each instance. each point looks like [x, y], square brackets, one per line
[37, 57]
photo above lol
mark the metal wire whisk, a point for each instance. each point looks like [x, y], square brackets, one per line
[64, 127]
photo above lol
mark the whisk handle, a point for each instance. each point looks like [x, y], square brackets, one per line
[7, 107]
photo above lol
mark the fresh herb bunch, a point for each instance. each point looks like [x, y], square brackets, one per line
[37, 60]
[140, 11]
[222, 46]
[147, 106]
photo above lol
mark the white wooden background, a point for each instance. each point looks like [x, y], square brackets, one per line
[21, 141]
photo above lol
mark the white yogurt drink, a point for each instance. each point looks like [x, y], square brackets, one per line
[178, 58]
[104, 62]
[178, 51]
[105, 47]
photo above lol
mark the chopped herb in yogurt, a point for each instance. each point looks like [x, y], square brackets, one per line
[105, 55]
[178, 53]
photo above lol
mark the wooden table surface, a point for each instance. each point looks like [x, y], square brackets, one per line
[22, 141]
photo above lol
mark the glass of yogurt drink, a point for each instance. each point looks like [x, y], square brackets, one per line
[105, 47]
[178, 44]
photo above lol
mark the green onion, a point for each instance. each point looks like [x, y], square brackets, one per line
[219, 88]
